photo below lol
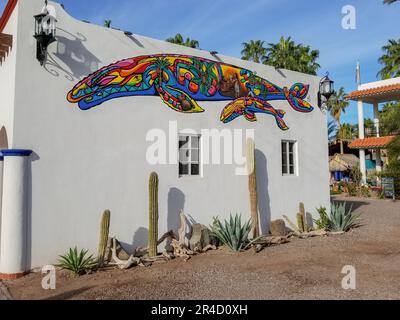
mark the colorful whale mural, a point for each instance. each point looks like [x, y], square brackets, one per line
[182, 80]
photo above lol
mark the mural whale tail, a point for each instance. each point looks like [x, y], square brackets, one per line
[248, 107]
[296, 95]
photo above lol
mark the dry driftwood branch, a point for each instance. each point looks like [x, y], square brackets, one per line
[311, 234]
[296, 230]
[334, 233]
[141, 251]
[304, 235]
[209, 247]
[181, 251]
[182, 228]
[139, 259]
[263, 242]
[123, 264]
[135, 261]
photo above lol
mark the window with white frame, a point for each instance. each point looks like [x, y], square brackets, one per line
[189, 155]
[288, 157]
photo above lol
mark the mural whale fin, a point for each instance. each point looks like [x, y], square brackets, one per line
[250, 116]
[177, 99]
[248, 107]
[296, 95]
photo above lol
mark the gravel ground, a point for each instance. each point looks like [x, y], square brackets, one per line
[301, 269]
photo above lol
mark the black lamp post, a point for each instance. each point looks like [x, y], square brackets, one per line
[45, 32]
[325, 90]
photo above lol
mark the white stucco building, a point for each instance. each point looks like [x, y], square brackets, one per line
[63, 166]
[373, 93]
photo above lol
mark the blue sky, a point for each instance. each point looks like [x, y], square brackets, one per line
[223, 25]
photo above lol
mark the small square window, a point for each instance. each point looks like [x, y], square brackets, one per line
[189, 155]
[288, 157]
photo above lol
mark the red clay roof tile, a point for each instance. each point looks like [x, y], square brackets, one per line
[367, 92]
[371, 143]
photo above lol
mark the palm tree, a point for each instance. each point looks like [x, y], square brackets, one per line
[369, 126]
[389, 1]
[178, 39]
[254, 51]
[308, 60]
[287, 54]
[336, 106]
[331, 129]
[347, 131]
[282, 54]
[390, 60]
[107, 23]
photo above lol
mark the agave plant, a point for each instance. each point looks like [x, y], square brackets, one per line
[342, 219]
[339, 219]
[77, 262]
[232, 233]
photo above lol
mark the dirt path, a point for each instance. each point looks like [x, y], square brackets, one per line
[302, 269]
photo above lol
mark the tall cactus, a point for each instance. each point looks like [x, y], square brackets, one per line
[251, 167]
[153, 214]
[303, 215]
[301, 218]
[104, 233]
[300, 223]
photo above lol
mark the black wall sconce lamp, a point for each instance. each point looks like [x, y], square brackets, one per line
[45, 33]
[325, 91]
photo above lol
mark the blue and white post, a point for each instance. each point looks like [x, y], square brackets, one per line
[13, 247]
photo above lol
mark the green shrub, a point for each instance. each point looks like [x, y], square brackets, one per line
[323, 221]
[77, 262]
[356, 175]
[365, 191]
[352, 189]
[232, 233]
[341, 219]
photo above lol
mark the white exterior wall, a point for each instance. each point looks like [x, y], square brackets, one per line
[7, 79]
[88, 161]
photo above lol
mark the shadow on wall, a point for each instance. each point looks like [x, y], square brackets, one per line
[140, 239]
[136, 41]
[3, 138]
[28, 250]
[176, 204]
[264, 208]
[72, 52]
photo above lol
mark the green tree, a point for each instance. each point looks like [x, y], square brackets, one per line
[107, 23]
[331, 129]
[369, 126]
[389, 119]
[390, 125]
[287, 54]
[390, 60]
[254, 51]
[336, 106]
[178, 39]
[347, 131]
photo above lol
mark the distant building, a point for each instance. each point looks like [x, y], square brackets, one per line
[373, 93]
